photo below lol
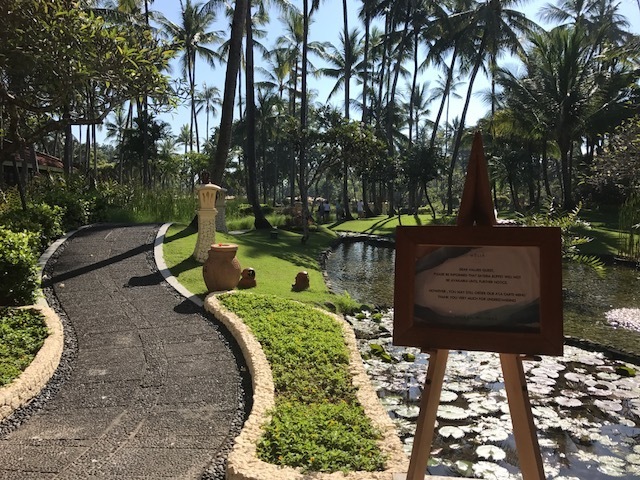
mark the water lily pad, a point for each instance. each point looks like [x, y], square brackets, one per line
[495, 434]
[568, 402]
[608, 406]
[625, 371]
[544, 372]
[633, 458]
[490, 471]
[451, 412]
[611, 466]
[407, 411]
[448, 396]
[491, 452]
[451, 431]
[464, 467]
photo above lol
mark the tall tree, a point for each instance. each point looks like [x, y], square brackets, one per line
[494, 27]
[226, 115]
[260, 222]
[193, 35]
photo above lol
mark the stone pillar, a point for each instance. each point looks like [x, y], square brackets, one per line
[221, 206]
[206, 220]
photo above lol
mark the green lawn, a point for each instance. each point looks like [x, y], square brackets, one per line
[276, 261]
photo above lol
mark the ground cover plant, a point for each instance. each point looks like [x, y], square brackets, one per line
[22, 333]
[317, 424]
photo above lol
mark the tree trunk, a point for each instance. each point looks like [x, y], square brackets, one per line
[252, 185]
[226, 113]
[456, 146]
[302, 173]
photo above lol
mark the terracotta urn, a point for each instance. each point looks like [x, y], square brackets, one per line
[221, 270]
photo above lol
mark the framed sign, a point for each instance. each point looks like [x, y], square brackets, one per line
[493, 288]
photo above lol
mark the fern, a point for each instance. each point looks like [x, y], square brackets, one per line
[568, 222]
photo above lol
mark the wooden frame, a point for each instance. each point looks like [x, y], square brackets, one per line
[415, 325]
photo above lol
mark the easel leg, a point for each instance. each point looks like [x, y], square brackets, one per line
[427, 419]
[524, 429]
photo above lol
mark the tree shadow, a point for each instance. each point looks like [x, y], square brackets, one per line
[185, 232]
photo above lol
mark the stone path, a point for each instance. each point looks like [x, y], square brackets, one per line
[155, 389]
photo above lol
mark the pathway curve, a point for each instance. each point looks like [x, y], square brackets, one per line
[155, 388]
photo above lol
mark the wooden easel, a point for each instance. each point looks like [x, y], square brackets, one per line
[476, 208]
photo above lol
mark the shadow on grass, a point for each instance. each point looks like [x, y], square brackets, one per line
[185, 232]
[185, 265]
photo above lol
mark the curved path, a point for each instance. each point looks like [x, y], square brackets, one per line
[156, 387]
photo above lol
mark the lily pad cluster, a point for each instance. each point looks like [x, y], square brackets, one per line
[586, 408]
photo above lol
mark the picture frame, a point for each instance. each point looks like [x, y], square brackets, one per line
[484, 288]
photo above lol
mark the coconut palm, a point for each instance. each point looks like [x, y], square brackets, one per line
[208, 99]
[226, 115]
[193, 36]
[493, 27]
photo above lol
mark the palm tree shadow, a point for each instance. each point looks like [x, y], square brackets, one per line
[185, 232]
[188, 263]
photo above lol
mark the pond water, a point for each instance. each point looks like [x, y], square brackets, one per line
[586, 410]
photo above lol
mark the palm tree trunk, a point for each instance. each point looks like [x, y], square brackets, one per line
[226, 113]
[365, 77]
[458, 141]
[445, 97]
[252, 185]
[302, 173]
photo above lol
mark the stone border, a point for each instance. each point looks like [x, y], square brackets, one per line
[37, 374]
[34, 378]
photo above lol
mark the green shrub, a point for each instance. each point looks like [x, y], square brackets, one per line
[41, 219]
[18, 267]
[22, 333]
[346, 304]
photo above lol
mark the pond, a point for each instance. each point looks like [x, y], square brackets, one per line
[586, 410]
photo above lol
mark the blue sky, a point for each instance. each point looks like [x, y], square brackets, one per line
[327, 26]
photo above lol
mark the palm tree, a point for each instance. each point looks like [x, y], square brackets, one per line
[209, 99]
[260, 222]
[116, 129]
[192, 36]
[184, 137]
[350, 51]
[226, 116]
[493, 27]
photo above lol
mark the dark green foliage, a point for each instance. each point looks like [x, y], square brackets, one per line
[22, 333]
[18, 267]
[318, 424]
[41, 219]
[245, 209]
[568, 222]
[630, 227]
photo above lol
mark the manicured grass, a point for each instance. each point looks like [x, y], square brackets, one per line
[22, 333]
[276, 261]
[317, 424]
[603, 231]
[383, 224]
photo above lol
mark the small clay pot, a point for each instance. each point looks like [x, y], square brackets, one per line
[248, 279]
[221, 270]
[302, 282]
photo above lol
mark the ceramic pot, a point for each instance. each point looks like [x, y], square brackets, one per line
[221, 270]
